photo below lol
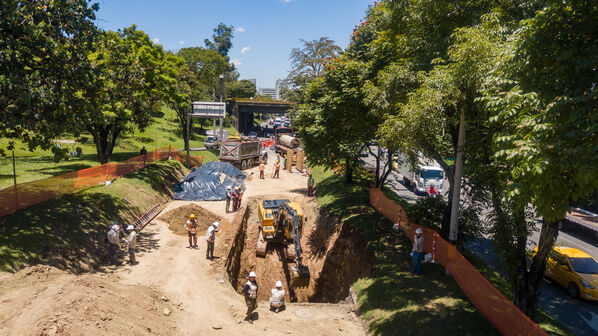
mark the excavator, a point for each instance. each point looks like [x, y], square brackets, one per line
[281, 222]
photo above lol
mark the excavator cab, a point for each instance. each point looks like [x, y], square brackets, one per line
[281, 221]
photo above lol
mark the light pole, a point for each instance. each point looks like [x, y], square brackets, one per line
[221, 78]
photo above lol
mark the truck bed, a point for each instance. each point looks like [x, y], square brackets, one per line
[584, 218]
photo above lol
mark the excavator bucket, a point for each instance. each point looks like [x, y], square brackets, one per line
[260, 248]
[299, 276]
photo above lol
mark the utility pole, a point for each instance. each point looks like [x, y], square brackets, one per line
[454, 228]
[221, 78]
[187, 143]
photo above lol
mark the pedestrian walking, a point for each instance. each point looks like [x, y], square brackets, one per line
[277, 302]
[418, 251]
[191, 227]
[310, 185]
[114, 242]
[250, 291]
[229, 196]
[276, 170]
[262, 168]
[211, 239]
[131, 244]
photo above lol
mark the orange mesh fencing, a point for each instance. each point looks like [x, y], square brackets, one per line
[24, 195]
[499, 310]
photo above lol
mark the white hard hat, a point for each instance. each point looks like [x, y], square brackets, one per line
[216, 224]
[130, 227]
[115, 227]
[252, 274]
[228, 188]
[278, 283]
[419, 230]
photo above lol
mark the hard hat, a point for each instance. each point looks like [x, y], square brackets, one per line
[252, 274]
[239, 187]
[228, 188]
[278, 283]
[115, 227]
[262, 161]
[419, 230]
[130, 227]
[216, 224]
[191, 216]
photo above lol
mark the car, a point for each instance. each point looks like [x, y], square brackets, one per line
[573, 269]
[252, 135]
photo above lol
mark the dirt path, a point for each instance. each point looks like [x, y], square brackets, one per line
[200, 297]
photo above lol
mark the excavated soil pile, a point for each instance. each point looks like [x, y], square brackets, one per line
[42, 300]
[335, 255]
[177, 217]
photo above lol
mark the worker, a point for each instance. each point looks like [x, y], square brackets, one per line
[276, 170]
[250, 291]
[432, 192]
[131, 244]
[191, 227]
[277, 297]
[239, 196]
[229, 196]
[284, 161]
[211, 239]
[143, 151]
[262, 168]
[114, 241]
[235, 194]
[310, 185]
[265, 155]
[418, 251]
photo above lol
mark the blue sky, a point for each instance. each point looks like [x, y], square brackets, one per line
[265, 30]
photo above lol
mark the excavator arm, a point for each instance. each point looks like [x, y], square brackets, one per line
[299, 273]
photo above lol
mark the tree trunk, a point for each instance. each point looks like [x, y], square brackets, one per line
[529, 283]
[349, 171]
[454, 225]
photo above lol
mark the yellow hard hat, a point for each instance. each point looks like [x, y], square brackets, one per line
[191, 216]
[262, 161]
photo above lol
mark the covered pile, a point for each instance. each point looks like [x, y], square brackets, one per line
[209, 182]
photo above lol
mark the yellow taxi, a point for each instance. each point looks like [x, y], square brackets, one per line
[575, 270]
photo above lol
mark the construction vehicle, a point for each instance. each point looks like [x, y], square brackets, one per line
[281, 222]
[242, 153]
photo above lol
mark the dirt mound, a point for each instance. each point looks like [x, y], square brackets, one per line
[42, 300]
[177, 217]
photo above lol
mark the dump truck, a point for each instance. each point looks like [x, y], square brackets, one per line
[241, 153]
[281, 222]
[285, 140]
[419, 173]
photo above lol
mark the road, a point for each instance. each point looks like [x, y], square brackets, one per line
[580, 316]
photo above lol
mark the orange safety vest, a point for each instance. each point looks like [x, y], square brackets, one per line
[192, 226]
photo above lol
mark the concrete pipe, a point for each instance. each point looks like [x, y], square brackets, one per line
[289, 141]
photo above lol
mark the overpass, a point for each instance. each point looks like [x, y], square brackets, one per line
[244, 111]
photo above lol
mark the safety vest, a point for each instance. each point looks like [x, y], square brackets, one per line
[192, 226]
[252, 290]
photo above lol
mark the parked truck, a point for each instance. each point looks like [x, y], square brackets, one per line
[212, 140]
[241, 153]
[285, 140]
[419, 173]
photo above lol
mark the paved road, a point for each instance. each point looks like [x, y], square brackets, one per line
[581, 317]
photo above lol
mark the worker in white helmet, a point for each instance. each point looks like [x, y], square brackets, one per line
[250, 291]
[114, 242]
[131, 241]
[211, 239]
[418, 251]
[277, 297]
[229, 197]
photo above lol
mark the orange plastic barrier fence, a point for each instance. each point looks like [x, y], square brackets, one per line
[499, 310]
[27, 194]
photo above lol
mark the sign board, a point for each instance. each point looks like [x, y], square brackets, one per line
[208, 110]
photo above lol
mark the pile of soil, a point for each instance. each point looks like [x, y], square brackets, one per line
[43, 300]
[176, 218]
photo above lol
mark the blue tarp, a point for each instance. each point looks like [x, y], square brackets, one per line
[206, 184]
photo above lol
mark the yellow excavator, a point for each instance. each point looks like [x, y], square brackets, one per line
[281, 222]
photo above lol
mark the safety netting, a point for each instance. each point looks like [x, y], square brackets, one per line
[24, 195]
[499, 310]
[209, 182]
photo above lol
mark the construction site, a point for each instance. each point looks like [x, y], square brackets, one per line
[175, 290]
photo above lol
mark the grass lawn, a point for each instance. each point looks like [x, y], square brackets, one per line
[68, 232]
[39, 164]
[393, 301]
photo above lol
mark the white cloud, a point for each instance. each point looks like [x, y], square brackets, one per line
[288, 0]
[181, 42]
[236, 61]
[156, 40]
[245, 50]
[240, 29]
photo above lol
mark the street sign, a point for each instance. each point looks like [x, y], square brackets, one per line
[208, 110]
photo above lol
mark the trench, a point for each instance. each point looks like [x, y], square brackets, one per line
[336, 256]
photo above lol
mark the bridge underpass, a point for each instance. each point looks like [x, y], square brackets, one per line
[246, 110]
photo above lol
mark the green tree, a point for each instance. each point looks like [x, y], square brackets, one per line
[221, 39]
[207, 65]
[241, 89]
[128, 85]
[545, 101]
[43, 62]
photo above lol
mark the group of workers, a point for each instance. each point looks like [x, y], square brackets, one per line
[234, 194]
[277, 302]
[275, 172]
[192, 226]
[114, 242]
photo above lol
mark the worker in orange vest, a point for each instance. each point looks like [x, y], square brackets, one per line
[262, 167]
[276, 169]
[240, 196]
[191, 227]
